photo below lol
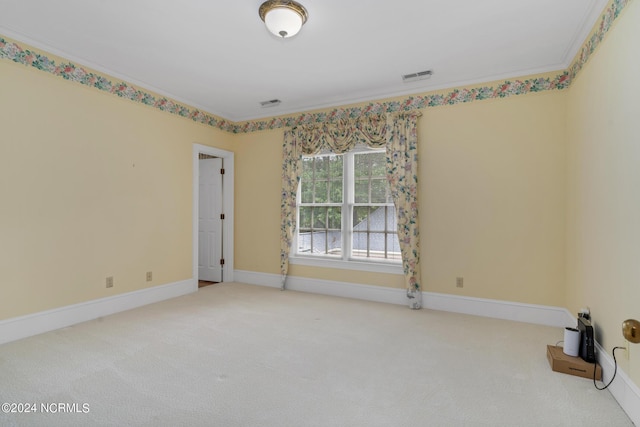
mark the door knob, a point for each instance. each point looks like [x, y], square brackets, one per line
[631, 330]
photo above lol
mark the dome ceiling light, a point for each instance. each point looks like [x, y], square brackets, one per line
[283, 18]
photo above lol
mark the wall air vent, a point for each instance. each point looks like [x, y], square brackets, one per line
[414, 77]
[271, 103]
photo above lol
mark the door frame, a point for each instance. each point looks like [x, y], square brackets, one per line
[227, 202]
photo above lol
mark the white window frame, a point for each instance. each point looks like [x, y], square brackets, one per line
[346, 262]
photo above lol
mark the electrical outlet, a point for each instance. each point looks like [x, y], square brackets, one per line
[110, 282]
[149, 276]
[625, 352]
[459, 282]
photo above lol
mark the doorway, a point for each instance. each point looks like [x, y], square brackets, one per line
[212, 215]
[210, 220]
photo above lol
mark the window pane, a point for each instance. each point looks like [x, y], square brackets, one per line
[370, 178]
[322, 168]
[360, 216]
[307, 165]
[305, 218]
[334, 242]
[335, 191]
[374, 233]
[320, 242]
[319, 218]
[378, 164]
[370, 164]
[392, 219]
[335, 167]
[307, 168]
[361, 165]
[377, 245]
[378, 218]
[379, 191]
[360, 244]
[374, 218]
[304, 242]
[321, 192]
[335, 218]
[306, 191]
[393, 247]
[361, 191]
[307, 180]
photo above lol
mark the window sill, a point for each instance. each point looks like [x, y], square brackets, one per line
[374, 267]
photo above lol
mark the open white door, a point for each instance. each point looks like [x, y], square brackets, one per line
[210, 221]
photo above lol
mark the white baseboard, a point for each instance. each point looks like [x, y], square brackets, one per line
[507, 310]
[626, 393]
[324, 287]
[519, 312]
[33, 324]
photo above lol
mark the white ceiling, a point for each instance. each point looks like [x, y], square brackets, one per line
[218, 56]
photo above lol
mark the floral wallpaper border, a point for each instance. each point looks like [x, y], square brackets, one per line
[75, 73]
[609, 15]
[416, 102]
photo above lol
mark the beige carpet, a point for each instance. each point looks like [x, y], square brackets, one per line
[240, 355]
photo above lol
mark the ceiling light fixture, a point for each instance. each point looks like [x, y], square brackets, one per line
[283, 18]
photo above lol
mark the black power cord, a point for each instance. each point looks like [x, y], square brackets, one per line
[615, 369]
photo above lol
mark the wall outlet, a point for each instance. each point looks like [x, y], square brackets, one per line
[624, 354]
[149, 276]
[110, 282]
[459, 282]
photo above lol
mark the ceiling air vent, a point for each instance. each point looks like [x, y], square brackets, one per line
[414, 77]
[271, 103]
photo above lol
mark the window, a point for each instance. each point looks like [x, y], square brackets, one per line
[345, 210]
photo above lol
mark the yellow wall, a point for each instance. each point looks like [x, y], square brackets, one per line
[491, 201]
[492, 198]
[603, 209]
[257, 201]
[91, 186]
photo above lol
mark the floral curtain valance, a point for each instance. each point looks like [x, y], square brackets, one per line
[396, 132]
[343, 135]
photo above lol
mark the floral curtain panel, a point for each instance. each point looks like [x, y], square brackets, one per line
[402, 173]
[398, 133]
